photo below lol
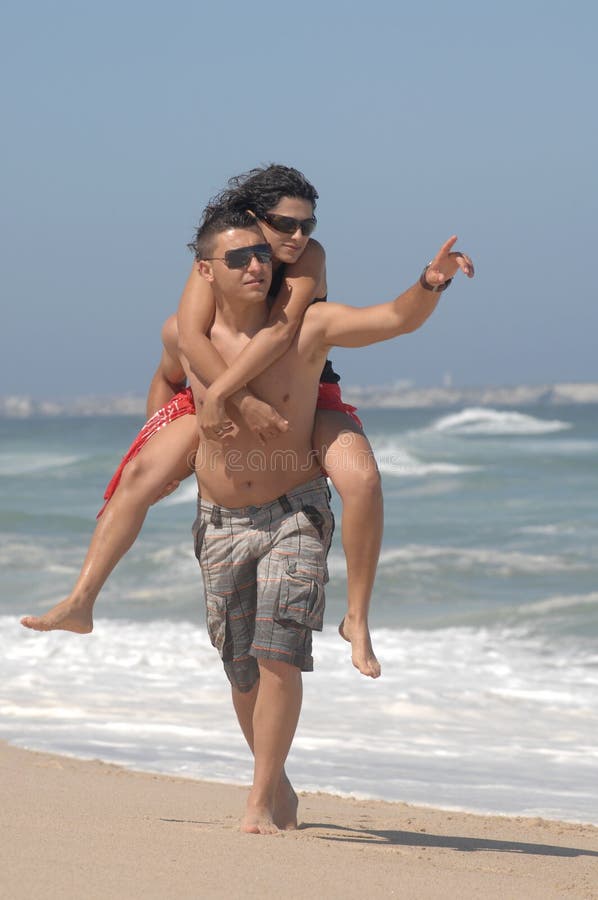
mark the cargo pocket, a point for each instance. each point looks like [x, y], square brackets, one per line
[323, 522]
[216, 620]
[302, 601]
[198, 531]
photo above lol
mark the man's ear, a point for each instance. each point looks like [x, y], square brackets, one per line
[205, 269]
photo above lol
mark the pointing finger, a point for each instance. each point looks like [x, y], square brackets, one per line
[447, 246]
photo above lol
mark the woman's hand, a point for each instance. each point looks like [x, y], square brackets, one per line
[213, 418]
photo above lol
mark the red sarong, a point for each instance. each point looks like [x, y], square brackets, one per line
[329, 397]
[182, 404]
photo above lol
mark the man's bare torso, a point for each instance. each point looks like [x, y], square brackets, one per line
[240, 471]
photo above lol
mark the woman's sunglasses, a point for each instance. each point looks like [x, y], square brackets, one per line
[242, 256]
[289, 225]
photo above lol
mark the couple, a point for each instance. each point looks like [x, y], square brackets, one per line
[264, 524]
[284, 202]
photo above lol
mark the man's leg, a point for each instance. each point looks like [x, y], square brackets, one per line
[345, 453]
[276, 702]
[285, 799]
[296, 530]
[262, 620]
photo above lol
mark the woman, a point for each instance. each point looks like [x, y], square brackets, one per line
[284, 202]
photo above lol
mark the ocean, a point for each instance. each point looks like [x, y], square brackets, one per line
[484, 617]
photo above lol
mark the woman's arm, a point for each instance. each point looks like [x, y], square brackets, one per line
[203, 363]
[194, 318]
[299, 287]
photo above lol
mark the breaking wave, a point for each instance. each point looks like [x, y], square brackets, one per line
[476, 420]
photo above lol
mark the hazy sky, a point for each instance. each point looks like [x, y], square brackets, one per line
[414, 121]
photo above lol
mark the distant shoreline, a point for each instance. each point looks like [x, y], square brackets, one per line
[396, 396]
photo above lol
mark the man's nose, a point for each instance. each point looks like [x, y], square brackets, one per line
[254, 265]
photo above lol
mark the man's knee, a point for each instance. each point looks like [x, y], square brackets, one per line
[279, 670]
[243, 674]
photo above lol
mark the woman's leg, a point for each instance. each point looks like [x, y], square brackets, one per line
[166, 457]
[347, 456]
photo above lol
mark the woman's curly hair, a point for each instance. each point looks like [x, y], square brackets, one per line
[257, 191]
[261, 189]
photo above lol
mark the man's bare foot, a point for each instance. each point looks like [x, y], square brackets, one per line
[258, 820]
[65, 616]
[285, 806]
[362, 653]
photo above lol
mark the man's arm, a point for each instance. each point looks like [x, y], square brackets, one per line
[169, 378]
[350, 326]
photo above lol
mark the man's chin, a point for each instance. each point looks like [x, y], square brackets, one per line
[256, 292]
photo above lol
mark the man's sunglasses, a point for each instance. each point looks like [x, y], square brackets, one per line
[242, 256]
[289, 225]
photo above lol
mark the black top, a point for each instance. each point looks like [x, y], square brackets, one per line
[328, 376]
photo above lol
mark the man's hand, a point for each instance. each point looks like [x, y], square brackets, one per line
[262, 419]
[446, 264]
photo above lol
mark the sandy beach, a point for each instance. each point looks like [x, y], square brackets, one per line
[73, 829]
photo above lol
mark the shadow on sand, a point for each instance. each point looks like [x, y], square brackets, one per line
[417, 839]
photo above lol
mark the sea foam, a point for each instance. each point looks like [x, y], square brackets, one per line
[12, 464]
[480, 718]
[476, 420]
[427, 557]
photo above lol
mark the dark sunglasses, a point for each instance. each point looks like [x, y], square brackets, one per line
[242, 256]
[289, 225]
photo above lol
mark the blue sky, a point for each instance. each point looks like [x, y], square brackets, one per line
[121, 119]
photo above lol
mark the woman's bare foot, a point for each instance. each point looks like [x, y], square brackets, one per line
[285, 806]
[258, 820]
[362, 653]
[65, 616]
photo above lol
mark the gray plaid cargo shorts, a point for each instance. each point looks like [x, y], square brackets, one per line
[264, 571]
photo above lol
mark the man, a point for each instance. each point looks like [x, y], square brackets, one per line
[264, 523]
